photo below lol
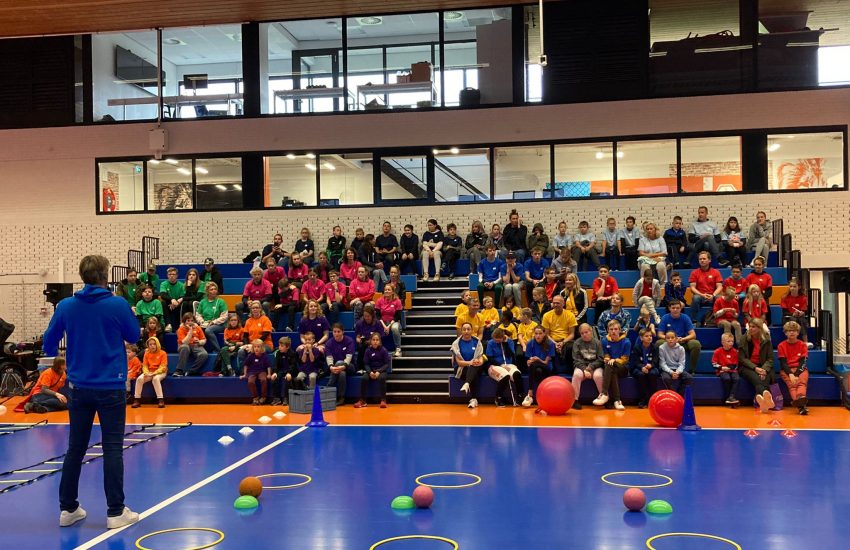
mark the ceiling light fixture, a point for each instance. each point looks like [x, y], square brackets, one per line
[453, 16]
[310, 156]
[369, 21]
[201, 170]
[290, 156]
[328, 166]
[153, 161]
[173, 42]
[310, 166]
[435, 151]
[454, 150]
[600, 155]
[238, 186]
[221, 187]
[184, 171]
[172, 161]
[620, 154]
[773, 147]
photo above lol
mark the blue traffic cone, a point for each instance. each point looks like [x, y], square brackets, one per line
[689, 419]
[317, 419]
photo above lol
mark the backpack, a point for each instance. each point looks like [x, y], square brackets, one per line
[11, 380]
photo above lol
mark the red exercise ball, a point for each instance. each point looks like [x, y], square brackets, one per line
[634, 499]
[666, 408]
[423, 496]
[555, 395]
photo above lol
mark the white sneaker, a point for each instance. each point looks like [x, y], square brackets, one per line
[168, 328]
[619, 406]
[397, 352]
[127, 517]
[66, 519]
[465, 387]
[760, 403]
[809, 345]
[473, 403]
[768, 400]
[601, 400]
[528, 401]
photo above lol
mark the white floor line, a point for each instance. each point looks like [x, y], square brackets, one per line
[171, 500]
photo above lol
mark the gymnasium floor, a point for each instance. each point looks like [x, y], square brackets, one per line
[540, 485]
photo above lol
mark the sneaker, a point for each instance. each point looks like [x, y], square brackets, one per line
[768, 399]
[383, 404]
[127, 517]
[732, 400]
[760, 403]
[276, 402]
[284, 402]
[451, 276]
[168, 328]
[160, 403]
[641, 404]
[576, 405]
[804, 411]
[397, 352]
[809, 345]
[436, 278]
[136, 404]
[601, 400]
[465, 387]
[803, 401]
[473, 403]
[255, 401]
[178, 374]
[723, 262]
[262, 401]
[619, 406]
[443, 266]
[288, 329]
[28, 408]
[528, 401]
[360, 404]
[500, 403]
[66, 519]
[424, 278]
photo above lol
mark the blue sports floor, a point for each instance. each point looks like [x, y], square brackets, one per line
[540, 489]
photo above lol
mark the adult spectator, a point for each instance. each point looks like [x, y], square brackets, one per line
[475, 243]
[172, 292]
[538, 239]
[516, 235]
[706, 283]
[652, 253]
[373, 261]
[275, 250]
[682, 325]
[257, 327]
[704, 235]
[386, 245]
[336, 247]
[432, 244]
[191, 342]
[760, 238]
[273, 274]
[128, 287]
[497, 239]
[339, 354]
[151, 279]
[211, 273]
[473, 318]
[258, 289]
[304, 247]
[95, 325]
[314, 322]
[195, 292]
[512, 275]
[361, 292]
[560, 325]
[489, 270]
[755, 357]
[397, 284]
[575, 298]
[349, 266]
[211, 315]
[468, 360]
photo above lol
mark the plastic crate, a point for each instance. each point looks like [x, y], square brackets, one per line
[301, 401]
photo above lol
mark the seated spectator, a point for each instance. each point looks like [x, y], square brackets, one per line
[726, 312]
[336, 247]
[233, 341]
[284, 371]
[409, 250]
[357, 241]
[725, 363]
[515, 237]
[468, 359]
[257, 327]
[134, 367]
[304, 248]
[397, 284]
[647, 293]
[45, 395]
[313, 289]
[795, 307]
[584, 247]
[587, 362]
[432, 244]
[298, 270]
[172, 292]
[643, 366]
[376, 366]
[211, 315]
[323, 267]
[562, 239]
[148, 307]
[339, 354]
[257, 289]
[336, 295]
[490, 315]
[273, 274]
[652, 253]
[560, 326]
[703, 236]
[754, 306]
[497, 239]
[275, 251]
[671, 360]
[760, 236]
[793, 358]
[524, 332]
[350, 265]
[734, 242]
[674, 290]
[683, 327]
[506, 323]
[256, 368]
[759, 277]
[706, 283]
[361, 292]
[154, 371]
[511, 306]
[150, 278]
[737, 283]
[563, 263]
[616, 349]
[311, 362]
[678, 248]
[452, 249]
[535, 268]
[389, 310]
[195, 292]
[755, 362]
[489, 270]
[611, 245]
[128, 287]
[386, 245]
[472, 317]
[511, 280]
[475, 242]
[364, 328]
[288, 302]
[371, 260]
[645, 322]
[314, 322]
[191, 341]
[539, 305]
[152, 329]
[500, 356]
[575, 298]
[463, 306]
[629, 241]
[538, 239]
[616, 311]
[604, 287]
[211, 274]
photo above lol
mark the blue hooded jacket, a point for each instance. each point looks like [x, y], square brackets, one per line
[99, 325]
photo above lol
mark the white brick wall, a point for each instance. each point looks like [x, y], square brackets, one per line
[47, 177]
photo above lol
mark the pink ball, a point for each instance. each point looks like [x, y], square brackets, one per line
[634, 499]
[423, 496]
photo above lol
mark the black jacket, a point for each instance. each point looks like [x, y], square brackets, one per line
[515, 237]
[214, 275]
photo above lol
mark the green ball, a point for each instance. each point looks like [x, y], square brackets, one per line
[246, 502]
[403, 502]
[659, 507]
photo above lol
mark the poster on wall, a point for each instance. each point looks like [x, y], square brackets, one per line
[805, 173]
[109, 193]
[172, 196]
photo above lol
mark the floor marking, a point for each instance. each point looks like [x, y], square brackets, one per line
[171, 500]
[35, 471]
[669, 480]
[177, 530]
[453, 543]
[650, 540]
[475, 480]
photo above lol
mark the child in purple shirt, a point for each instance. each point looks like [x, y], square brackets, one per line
[339, 354]
[310, 361]
[376, 365]
[257, 366]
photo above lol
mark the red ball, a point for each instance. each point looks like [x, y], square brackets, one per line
[423, 497]
[666, 408]
[555, 395]
[634, 499]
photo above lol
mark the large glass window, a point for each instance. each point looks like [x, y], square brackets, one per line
[304, 69]
[461, 175]
[711, 165]
[124, 76]
[646, 167]
[218, 183]
[346, 178]
[805, 161]
[290, 180]
[521, 172]
[584, 170]
[404, 177]
[533, 70]
[121, 186]
[170, 184]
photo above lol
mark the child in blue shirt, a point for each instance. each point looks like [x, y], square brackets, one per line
[616, 349]
[674, 290]
[678, 247]
[643, 366]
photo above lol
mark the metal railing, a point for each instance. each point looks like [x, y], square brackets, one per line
[150, 246]
[778, 236]
[136, 260]
[825, 335]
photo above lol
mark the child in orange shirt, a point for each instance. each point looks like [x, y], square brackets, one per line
[134, 366]
[793, 356]
[232, 343]
[154, 370]
[45, 396]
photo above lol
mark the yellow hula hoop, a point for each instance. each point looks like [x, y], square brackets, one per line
[649, 541]
[669, 480]
[454, 544]
[477, 480]
[176, 529]
[307, 479]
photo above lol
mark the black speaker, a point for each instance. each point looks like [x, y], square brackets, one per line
[55, 292]
[839, 281]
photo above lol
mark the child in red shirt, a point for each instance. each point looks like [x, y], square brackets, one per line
[764, 281]
[795, 307]
[725, 363]
[737, 282]
[604, 287]
[793, 356]
[726, 312]
[754, 306]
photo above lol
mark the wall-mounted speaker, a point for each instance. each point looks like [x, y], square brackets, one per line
[839, 281]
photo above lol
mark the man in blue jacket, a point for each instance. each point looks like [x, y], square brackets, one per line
[96, 325]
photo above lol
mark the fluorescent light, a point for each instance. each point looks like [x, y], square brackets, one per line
[201, 170]
[238, 186]
[184, 171]
[290, 156]
[620, 154]
[221, 187]
[454, 150]
[435, 151]
[310, 156]
[600, 155]
[153, 161]
[310, 166]
[172, 161]
[773, 147]
[328, 166]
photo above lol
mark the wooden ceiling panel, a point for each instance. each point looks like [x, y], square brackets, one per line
[44, 17]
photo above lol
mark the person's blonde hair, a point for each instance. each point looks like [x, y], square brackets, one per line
[791, 325]
[255, 270]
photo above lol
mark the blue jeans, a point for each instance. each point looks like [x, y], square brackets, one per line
[51, 402]
[697, 302]
[212, 340]
[111, 409]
